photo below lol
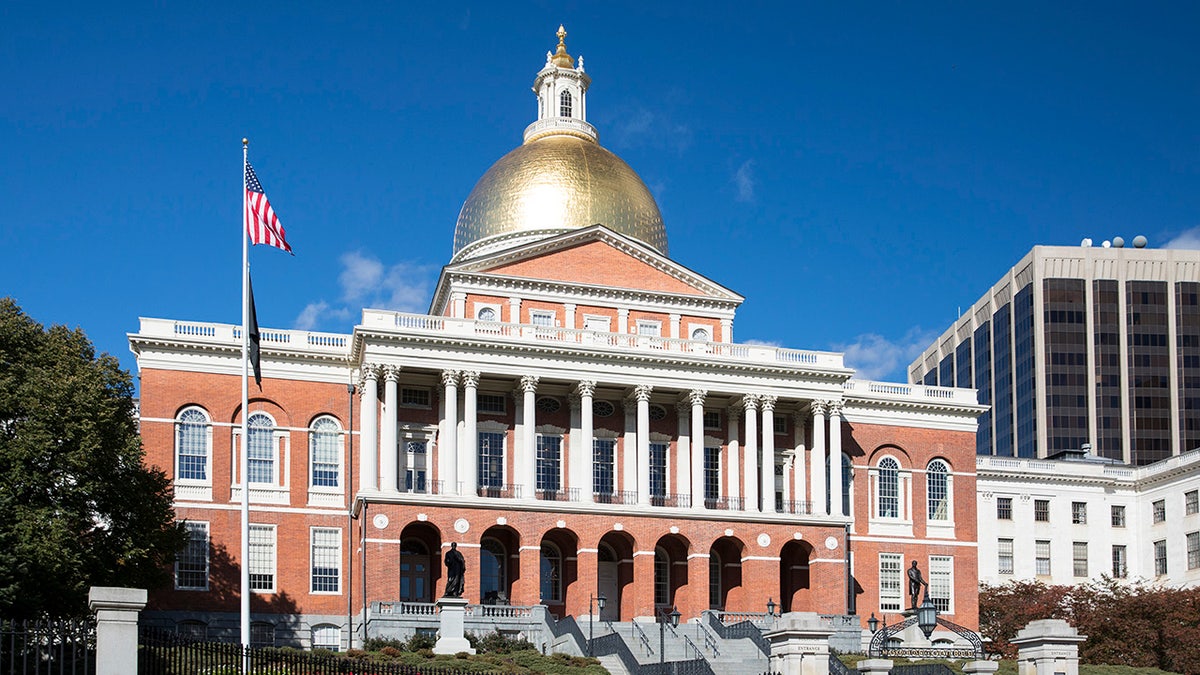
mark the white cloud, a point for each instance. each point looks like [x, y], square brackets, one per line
[763, 343]
[875, 357]
[640, 127]
[1187, 239]
[743, 180]
[366, 282]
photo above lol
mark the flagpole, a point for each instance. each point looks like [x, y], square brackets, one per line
[244, 463]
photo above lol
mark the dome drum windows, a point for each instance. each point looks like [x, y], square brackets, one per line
[565, 104]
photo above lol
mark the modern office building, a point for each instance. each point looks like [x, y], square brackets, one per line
[574, 413]
[1081, 348]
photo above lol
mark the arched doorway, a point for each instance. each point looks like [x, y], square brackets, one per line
[794, 583]
[420, 545]
[557, 571]
[614, 575]
[499, 548]
[725, 573]
[670, 570]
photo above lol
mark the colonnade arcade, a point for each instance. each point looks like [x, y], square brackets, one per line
[612, 444]
[641, 570]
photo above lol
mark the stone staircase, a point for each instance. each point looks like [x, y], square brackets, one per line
[686, 642]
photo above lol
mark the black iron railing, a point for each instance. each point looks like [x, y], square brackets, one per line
[58, 646]
[618, 497]
[506, 491]
[671, 499]
[725, 503]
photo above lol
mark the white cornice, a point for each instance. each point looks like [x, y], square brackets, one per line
[560, 291]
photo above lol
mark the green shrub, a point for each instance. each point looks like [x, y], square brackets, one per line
[377, 644]
[503, 644]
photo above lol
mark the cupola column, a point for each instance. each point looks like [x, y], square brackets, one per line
[768, 453]
[750, 404]
[368, 466]
[388, 455]
[817, 459]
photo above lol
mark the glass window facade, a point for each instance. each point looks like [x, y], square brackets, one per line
[1025, 368]
[962, 365]
[946, 371]
[1002, 408]
[1106, 342]
[1187, 340]
[1065, 330]
[983, 382]
[1149, 371]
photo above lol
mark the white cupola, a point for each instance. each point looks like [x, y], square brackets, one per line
[561, 87]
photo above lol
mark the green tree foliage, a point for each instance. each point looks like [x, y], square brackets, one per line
[79, 507]
[1125, 624]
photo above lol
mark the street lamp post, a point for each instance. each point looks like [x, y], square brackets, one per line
[663, 618]
[873, 624]
[592, 619]
[771, 607]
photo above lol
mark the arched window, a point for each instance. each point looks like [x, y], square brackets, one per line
[564, 104]
[327, 636]
[493, 588]
[261, 449]
[192, 445]
[662, 578]
[714, 580]
[486, 314]
[937, 477]
[701, 334]
[324, 451]
[551, 574]
[889, 488]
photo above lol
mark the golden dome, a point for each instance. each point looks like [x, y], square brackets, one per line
[551, 184]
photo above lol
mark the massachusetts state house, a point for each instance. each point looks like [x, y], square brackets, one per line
[574, 412]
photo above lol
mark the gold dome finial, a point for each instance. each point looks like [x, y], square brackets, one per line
[561, 58]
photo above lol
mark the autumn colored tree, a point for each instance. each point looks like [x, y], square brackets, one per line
[80, 507]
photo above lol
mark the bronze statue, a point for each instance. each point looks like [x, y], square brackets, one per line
[915, 582]
[456, 568]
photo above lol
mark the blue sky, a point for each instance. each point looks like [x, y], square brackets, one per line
[858, 171]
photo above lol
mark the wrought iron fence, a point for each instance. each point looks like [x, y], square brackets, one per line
[164, 653]
[58, 646]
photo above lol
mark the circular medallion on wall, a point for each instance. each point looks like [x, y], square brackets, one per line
[831, 543]
[618, 527]
[461, 525]
[380, 521]
[502, 520]
[797, 536]
[764, 540]
[561, 524]
[729, 532]
[674, 529]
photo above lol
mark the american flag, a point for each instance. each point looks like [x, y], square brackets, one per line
[261, 222]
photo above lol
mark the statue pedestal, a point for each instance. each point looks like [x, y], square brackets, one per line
[452, 614]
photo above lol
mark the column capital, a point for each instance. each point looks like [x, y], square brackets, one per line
[391, 373]
[799, 419]
[683, 408]
[368, 371]
[470, 378]
[768, 402]
[835, 408]
[734, 411]
[528, 384]
[641, 393]
[750, 402]
[450, 378]
[697, 396]
[818, 407]
[586, 388]
[575, 402]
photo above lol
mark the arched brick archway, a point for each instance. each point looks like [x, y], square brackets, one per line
[671, 572]
[499, 565]
[420, 565]
[794, 580]
[558, 569]
[614, 574]
[725, 573]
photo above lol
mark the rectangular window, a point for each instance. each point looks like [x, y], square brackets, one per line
[549, 463]
[1041, 510]
[191, 565]
[712, 473]
[1193, 550]
[712, 419]
[941, 582]
[326, 559]
[649, 328]
[417, 471]
[491, 459]
[1160, 557]
[1004, 508]
[658, 469]
[262, 558]
[492, 404]
[192, 441]
[1079, 513]
[1041, 561]
[541, 317]
[1120, 565]
[1191, 502]
[325, 444]
[891, 569]
[780, 424]
[1004, 556]
[1118, 516]
[604, 451]
[1160, 510]
[1079, 558]
[414, 397]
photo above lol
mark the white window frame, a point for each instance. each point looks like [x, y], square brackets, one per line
[409, 404]
[941, 581]
[194, 488]
[543, 318]
[313, 435]
[497, 396]
[258, 566]
[947, 510]
[192, 527]
[1004, 553]
[327, 636]
[1079, 559]
[313, 553]
[411, 480]
[590, 321]
[648, 328]
[1038, 558]
[480, 308]
[277, 491]
[1120, 561]
[889, 601]
[491, 427]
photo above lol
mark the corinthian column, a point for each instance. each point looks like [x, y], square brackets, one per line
[697, 396]
[448, 448]
[528, 389]
[368, 424]
[683, 447]
[768, 453]
[816, 474]
[641, 394]
[388, 456]
[750, 405]
[835, 458]
[584, 455]
[469, 459]
[799, 484]
[733, 424]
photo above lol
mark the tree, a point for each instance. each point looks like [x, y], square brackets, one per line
[79, 507]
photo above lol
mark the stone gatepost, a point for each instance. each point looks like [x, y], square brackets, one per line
[1048, 647]
[116, 628]
[452, 614]
[874, 666]
[800, 644]
[980, 667]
